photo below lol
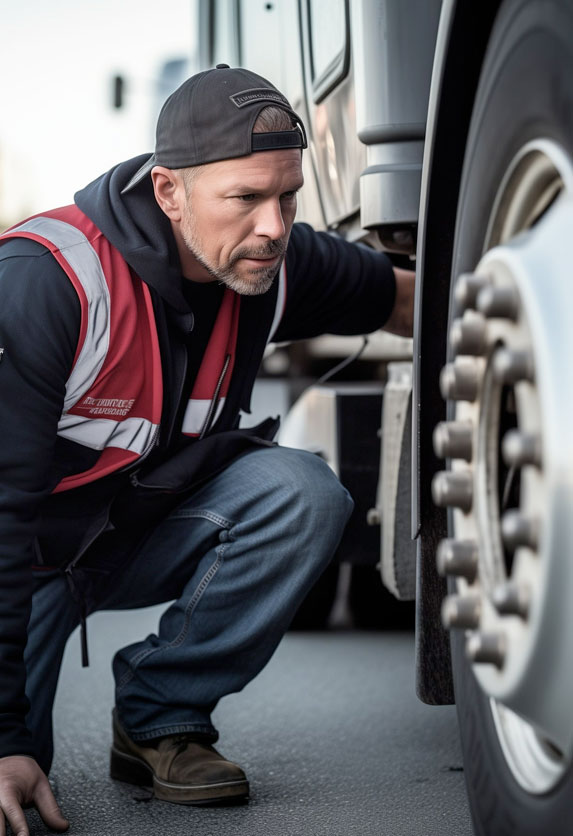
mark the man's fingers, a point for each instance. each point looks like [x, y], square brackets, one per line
[22, 782]
[48, 807]
[16, 818]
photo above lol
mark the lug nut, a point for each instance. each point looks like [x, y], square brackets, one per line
[373, 516]
[467, 288]
[520, 449]
[453, 440]
[458, 558]
[448, 382]
[511, 599]
[453, 489]
[512, 366]
[469, 334]
[461, 612]
[488, 648]
[459, 380]
[519, 530]
[498, 302]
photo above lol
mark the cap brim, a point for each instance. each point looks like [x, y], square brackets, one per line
[140, 174]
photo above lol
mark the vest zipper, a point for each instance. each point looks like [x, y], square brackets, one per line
[149, 450]
[215, 399]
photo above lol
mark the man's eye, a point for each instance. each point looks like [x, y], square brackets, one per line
[288, 195]
[247, 198]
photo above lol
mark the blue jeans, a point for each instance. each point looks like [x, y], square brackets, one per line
[236, 560]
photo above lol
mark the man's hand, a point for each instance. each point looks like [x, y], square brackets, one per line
[401, 320]
[22, 782]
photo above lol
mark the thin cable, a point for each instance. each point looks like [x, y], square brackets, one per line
[346, 362]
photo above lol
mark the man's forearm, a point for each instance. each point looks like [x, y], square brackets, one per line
[401, 320]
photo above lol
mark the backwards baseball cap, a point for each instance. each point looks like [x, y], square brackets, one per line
[211, 116]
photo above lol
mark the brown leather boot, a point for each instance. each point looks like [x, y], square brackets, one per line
[180, 768]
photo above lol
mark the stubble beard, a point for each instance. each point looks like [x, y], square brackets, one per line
[259, 279]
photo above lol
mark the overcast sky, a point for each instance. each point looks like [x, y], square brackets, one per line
[57, 57]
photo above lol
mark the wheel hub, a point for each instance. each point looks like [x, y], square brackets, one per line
[510, 482]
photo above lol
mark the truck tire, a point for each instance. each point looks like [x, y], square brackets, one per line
[509, 554]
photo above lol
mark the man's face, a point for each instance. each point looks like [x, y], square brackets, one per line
[238, 217]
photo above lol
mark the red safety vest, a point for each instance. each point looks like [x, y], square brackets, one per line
[114, 393]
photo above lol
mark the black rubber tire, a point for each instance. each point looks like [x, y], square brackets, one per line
[525, 92]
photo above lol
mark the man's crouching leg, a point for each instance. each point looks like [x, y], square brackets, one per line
[239, 557]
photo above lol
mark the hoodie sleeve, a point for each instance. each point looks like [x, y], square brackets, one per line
[334, 287]
[39, 328]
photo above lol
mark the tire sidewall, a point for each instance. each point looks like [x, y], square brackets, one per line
[525, 93]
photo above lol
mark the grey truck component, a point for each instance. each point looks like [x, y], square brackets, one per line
[398, 563]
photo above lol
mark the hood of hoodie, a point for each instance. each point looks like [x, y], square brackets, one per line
[137, 227]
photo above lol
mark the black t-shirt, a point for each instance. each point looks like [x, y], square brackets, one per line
[204, 299]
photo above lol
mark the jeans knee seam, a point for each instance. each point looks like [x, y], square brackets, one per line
[203, 584]
[202, 513]
[189, 609]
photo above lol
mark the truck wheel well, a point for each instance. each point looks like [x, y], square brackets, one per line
[449, 119]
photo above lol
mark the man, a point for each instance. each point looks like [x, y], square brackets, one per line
[132, 326]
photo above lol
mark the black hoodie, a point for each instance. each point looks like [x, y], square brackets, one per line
[332, 287]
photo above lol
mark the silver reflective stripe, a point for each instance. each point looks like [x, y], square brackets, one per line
[85, 263]
[196, 415]
[279, 307]
[134, 434]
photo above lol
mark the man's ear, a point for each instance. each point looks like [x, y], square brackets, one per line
[169, 191]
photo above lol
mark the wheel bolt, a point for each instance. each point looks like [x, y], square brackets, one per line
[488, 648]
[461, 612]
[512, 366]
[511, 598]
[459, 380]
[469, 334]
[519, 530]
[520, 449]
[458, 558]
[453, 489]
[498, 302]
[467, 288]
[373, 516]
[453, 440]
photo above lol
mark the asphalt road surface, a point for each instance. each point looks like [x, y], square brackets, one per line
[331, 734]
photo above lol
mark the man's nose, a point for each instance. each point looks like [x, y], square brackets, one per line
[269, 220]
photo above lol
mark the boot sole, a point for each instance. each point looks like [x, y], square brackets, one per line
[132, 770]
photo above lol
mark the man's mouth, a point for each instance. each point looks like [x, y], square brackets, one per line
[262, 259]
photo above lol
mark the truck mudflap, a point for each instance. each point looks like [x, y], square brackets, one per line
[394, 501]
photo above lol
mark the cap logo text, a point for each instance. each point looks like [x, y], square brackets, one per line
[258, 94]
